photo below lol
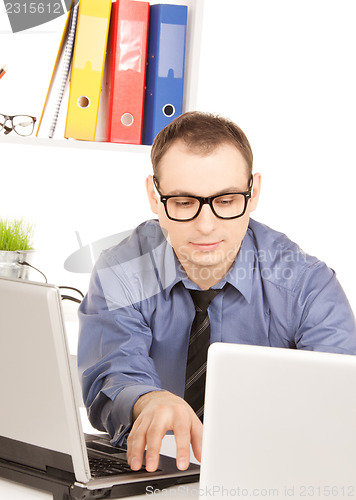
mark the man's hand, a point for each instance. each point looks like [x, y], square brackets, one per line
[154, 414]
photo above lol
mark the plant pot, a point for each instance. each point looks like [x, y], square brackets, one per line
[10, 263]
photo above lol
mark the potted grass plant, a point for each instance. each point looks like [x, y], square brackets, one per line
[15, 247]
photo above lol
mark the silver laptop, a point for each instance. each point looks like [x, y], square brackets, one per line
[279, 423]
[41, 438]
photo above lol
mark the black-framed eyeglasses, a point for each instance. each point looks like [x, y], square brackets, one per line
[224, 206]
[21, 124]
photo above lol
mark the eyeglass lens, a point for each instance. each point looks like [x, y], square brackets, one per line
[21, 124]
[226, 206]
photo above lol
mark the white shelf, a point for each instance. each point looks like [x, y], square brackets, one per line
[71, 143]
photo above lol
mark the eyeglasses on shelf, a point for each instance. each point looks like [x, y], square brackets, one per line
[21, 124]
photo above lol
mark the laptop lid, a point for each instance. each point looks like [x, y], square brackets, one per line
[279, 422]
[40, 424]
[38, 405]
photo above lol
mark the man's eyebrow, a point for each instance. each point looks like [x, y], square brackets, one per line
[231, 189]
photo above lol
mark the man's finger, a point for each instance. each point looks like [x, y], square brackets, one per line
[182, 437]
[154, 437]
[136, 443]
[197, 438]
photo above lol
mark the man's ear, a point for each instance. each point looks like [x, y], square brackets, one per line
[255, 192]
[151, 193]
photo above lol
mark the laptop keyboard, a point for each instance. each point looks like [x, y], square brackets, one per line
[101, 467]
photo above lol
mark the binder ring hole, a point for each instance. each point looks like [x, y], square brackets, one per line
[127, 119]
[83, 101]
[169, 110]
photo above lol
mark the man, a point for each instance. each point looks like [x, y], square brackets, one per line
[139, 324]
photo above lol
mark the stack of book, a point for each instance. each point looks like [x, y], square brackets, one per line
[119, 72]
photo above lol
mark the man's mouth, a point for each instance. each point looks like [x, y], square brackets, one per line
[206, 247]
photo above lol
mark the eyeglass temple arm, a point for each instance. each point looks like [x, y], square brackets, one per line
[7, 130]
[27, 123]
[251, 184]
[155, 186]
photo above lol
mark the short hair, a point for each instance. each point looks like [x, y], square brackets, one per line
[202, 133]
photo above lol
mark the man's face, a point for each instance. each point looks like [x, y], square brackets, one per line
[205, 246]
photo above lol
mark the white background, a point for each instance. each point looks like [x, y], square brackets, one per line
[284, 70]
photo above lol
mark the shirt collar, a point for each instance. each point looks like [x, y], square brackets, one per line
[177, 273]
[241, 273]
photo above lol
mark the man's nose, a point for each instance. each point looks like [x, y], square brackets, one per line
[206, 220]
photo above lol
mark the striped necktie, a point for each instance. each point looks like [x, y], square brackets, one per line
[198, 350]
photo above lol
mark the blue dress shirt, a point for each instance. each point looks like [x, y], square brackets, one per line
[135, 320]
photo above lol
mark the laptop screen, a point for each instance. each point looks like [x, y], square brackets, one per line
[279, 422]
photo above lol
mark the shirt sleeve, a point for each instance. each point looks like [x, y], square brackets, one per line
[321, 314]
[115, 368]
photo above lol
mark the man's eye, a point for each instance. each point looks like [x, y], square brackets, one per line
[224, 201]
[184, 203]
